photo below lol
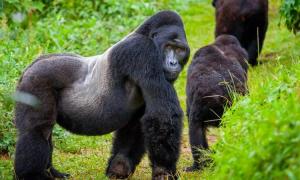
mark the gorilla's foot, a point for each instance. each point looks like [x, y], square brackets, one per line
[198, 166]
[192, 168]
[119, 168]
[34, 176]
[56, 174]
[161, 174]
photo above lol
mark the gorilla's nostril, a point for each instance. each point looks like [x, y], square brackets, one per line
[173, 63]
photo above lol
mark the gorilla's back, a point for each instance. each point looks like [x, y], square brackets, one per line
[94, 104]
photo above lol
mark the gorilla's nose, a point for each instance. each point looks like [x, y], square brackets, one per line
[173, 63]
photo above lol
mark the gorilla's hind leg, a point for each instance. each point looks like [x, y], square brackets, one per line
[32, 156]
[128, 150]
[198, 143]
[54, 172]
[197, 136]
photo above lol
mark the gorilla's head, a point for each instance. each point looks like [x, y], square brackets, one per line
[226, 39]
[234, 50]
[167, 32]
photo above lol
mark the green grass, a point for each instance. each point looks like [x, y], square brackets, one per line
[260, 139]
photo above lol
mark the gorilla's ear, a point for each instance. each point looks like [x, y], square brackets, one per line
[214, 3]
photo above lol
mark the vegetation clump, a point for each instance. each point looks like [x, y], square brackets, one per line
[290, 14]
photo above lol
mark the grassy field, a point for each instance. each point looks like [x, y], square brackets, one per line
[260, 139]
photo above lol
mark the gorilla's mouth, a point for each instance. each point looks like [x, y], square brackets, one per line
[171, 75]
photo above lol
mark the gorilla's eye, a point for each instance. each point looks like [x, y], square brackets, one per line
[169, 47]
[153, 35]
[179, 50]
[173, 36]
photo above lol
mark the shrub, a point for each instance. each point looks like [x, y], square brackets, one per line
[290, 13]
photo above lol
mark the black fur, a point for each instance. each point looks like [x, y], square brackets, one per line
[128, 90]
[216, 70]
[245, 19]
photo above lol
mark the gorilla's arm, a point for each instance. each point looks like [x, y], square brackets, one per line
[162, 124]
[162, 120]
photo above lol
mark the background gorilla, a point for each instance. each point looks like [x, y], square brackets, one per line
[215, 71]
[127, 89]
[245, 19]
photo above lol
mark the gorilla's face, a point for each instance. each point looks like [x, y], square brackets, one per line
[172, 41]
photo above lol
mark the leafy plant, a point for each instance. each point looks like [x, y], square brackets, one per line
[290, 12]
[260, 138]
[20, 12]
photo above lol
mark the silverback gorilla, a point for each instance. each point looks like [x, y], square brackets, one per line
[215, 71]
[245, 19]
[127, 89]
